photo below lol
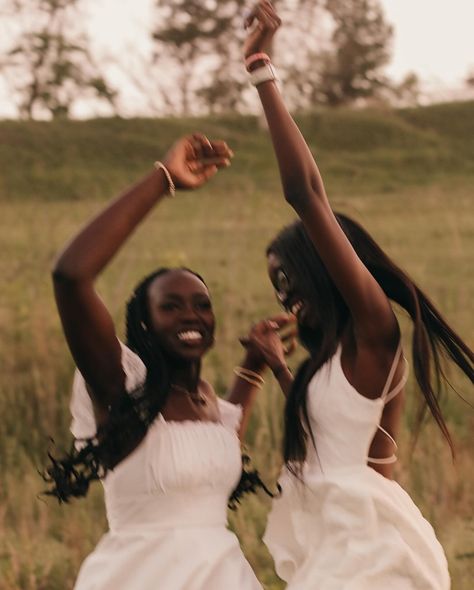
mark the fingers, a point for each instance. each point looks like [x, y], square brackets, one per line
[201, 146]
[207, 173]
[289, 336]
[290, 347]
[265, 14]
[282, 325]
[283, 319]
[249, 16]
[208, 152]
[197, 165]
[272, 18]
[222, 149]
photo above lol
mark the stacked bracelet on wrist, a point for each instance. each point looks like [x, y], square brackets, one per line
[263, 73]
[249, 376]
[266, 73]
[171, 187]
[251, 59]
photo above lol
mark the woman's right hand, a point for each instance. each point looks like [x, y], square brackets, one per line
[266, 21]
[194, 159]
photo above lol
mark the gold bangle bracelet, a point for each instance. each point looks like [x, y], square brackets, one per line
[257, 382]
[250, 373]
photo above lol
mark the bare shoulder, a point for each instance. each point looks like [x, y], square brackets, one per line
[370, 366]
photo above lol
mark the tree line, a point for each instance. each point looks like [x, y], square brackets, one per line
[332, 52]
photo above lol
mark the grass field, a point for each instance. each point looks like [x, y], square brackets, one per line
[407, 175]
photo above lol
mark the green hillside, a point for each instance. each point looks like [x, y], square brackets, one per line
[407, 175]
[380, 150]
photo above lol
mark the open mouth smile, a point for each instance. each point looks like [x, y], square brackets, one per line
[190, 336]
[296, 307]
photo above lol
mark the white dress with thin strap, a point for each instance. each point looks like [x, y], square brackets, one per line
[345, 526]
[167, 504]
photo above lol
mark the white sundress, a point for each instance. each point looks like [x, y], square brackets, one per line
[345, 526]
[167, 503]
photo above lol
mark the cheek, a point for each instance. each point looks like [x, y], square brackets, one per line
[311, 316]
[212, 327]
[160, 323]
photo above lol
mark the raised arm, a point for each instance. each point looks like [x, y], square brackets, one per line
[87, 324]
[374, 322]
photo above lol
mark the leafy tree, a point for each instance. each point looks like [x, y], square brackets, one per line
[201, 38]
[329, 51]
[50, 66]
[352, 68]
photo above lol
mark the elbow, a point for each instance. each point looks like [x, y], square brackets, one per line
[299, 192]
[295, 196]
[63, 274]
[296, 191]
[61, 277]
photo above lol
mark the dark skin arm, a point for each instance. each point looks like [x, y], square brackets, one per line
[265, 348]
[369, 344]
[369, 351]
[87, 324]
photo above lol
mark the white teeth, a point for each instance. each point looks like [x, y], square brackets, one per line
[190, 336]
[296, 307]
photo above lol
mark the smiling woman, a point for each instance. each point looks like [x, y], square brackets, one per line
[341, 521]
[145, 422]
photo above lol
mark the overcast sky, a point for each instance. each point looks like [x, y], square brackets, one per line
[433, 38]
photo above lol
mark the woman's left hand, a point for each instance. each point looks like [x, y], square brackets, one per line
[194, 159]
[267, 23]
[270, 340]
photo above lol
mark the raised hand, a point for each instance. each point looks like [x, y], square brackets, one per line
[194, 159]
[270, 340]
[262, 23]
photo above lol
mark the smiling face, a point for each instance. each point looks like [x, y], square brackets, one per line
[181, 314]
[285, 287]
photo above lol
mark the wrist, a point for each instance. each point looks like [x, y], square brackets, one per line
[254, 364]
[255, 60]
[168, 182]
[265, 73]
[280, 370]
[260, 63]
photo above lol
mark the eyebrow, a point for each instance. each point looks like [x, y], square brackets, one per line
[181, 297]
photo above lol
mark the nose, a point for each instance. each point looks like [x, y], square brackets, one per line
[189, 313]
[282, 297]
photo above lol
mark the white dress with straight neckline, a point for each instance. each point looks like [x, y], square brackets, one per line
[345, 526]
[167, 503]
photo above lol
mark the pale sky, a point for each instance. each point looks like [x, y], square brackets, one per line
[433, 38]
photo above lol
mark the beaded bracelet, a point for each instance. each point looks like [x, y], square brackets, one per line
[171, 186]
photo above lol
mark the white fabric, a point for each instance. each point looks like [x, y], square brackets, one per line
[167, 504]
[345, 526]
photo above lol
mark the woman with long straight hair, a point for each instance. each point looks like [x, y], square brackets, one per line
[341, 522]
[145, 422]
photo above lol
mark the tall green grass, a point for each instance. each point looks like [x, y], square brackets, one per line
[407, 175]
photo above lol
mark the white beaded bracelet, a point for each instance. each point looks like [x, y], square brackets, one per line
[263, 74]
[171, 186]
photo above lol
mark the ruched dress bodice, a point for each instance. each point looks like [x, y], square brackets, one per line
[343, 526]
[166, 503]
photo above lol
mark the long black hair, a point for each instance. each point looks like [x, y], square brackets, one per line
[132, 414]
[432, 337]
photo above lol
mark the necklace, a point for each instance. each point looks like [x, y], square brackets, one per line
[195, 397]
